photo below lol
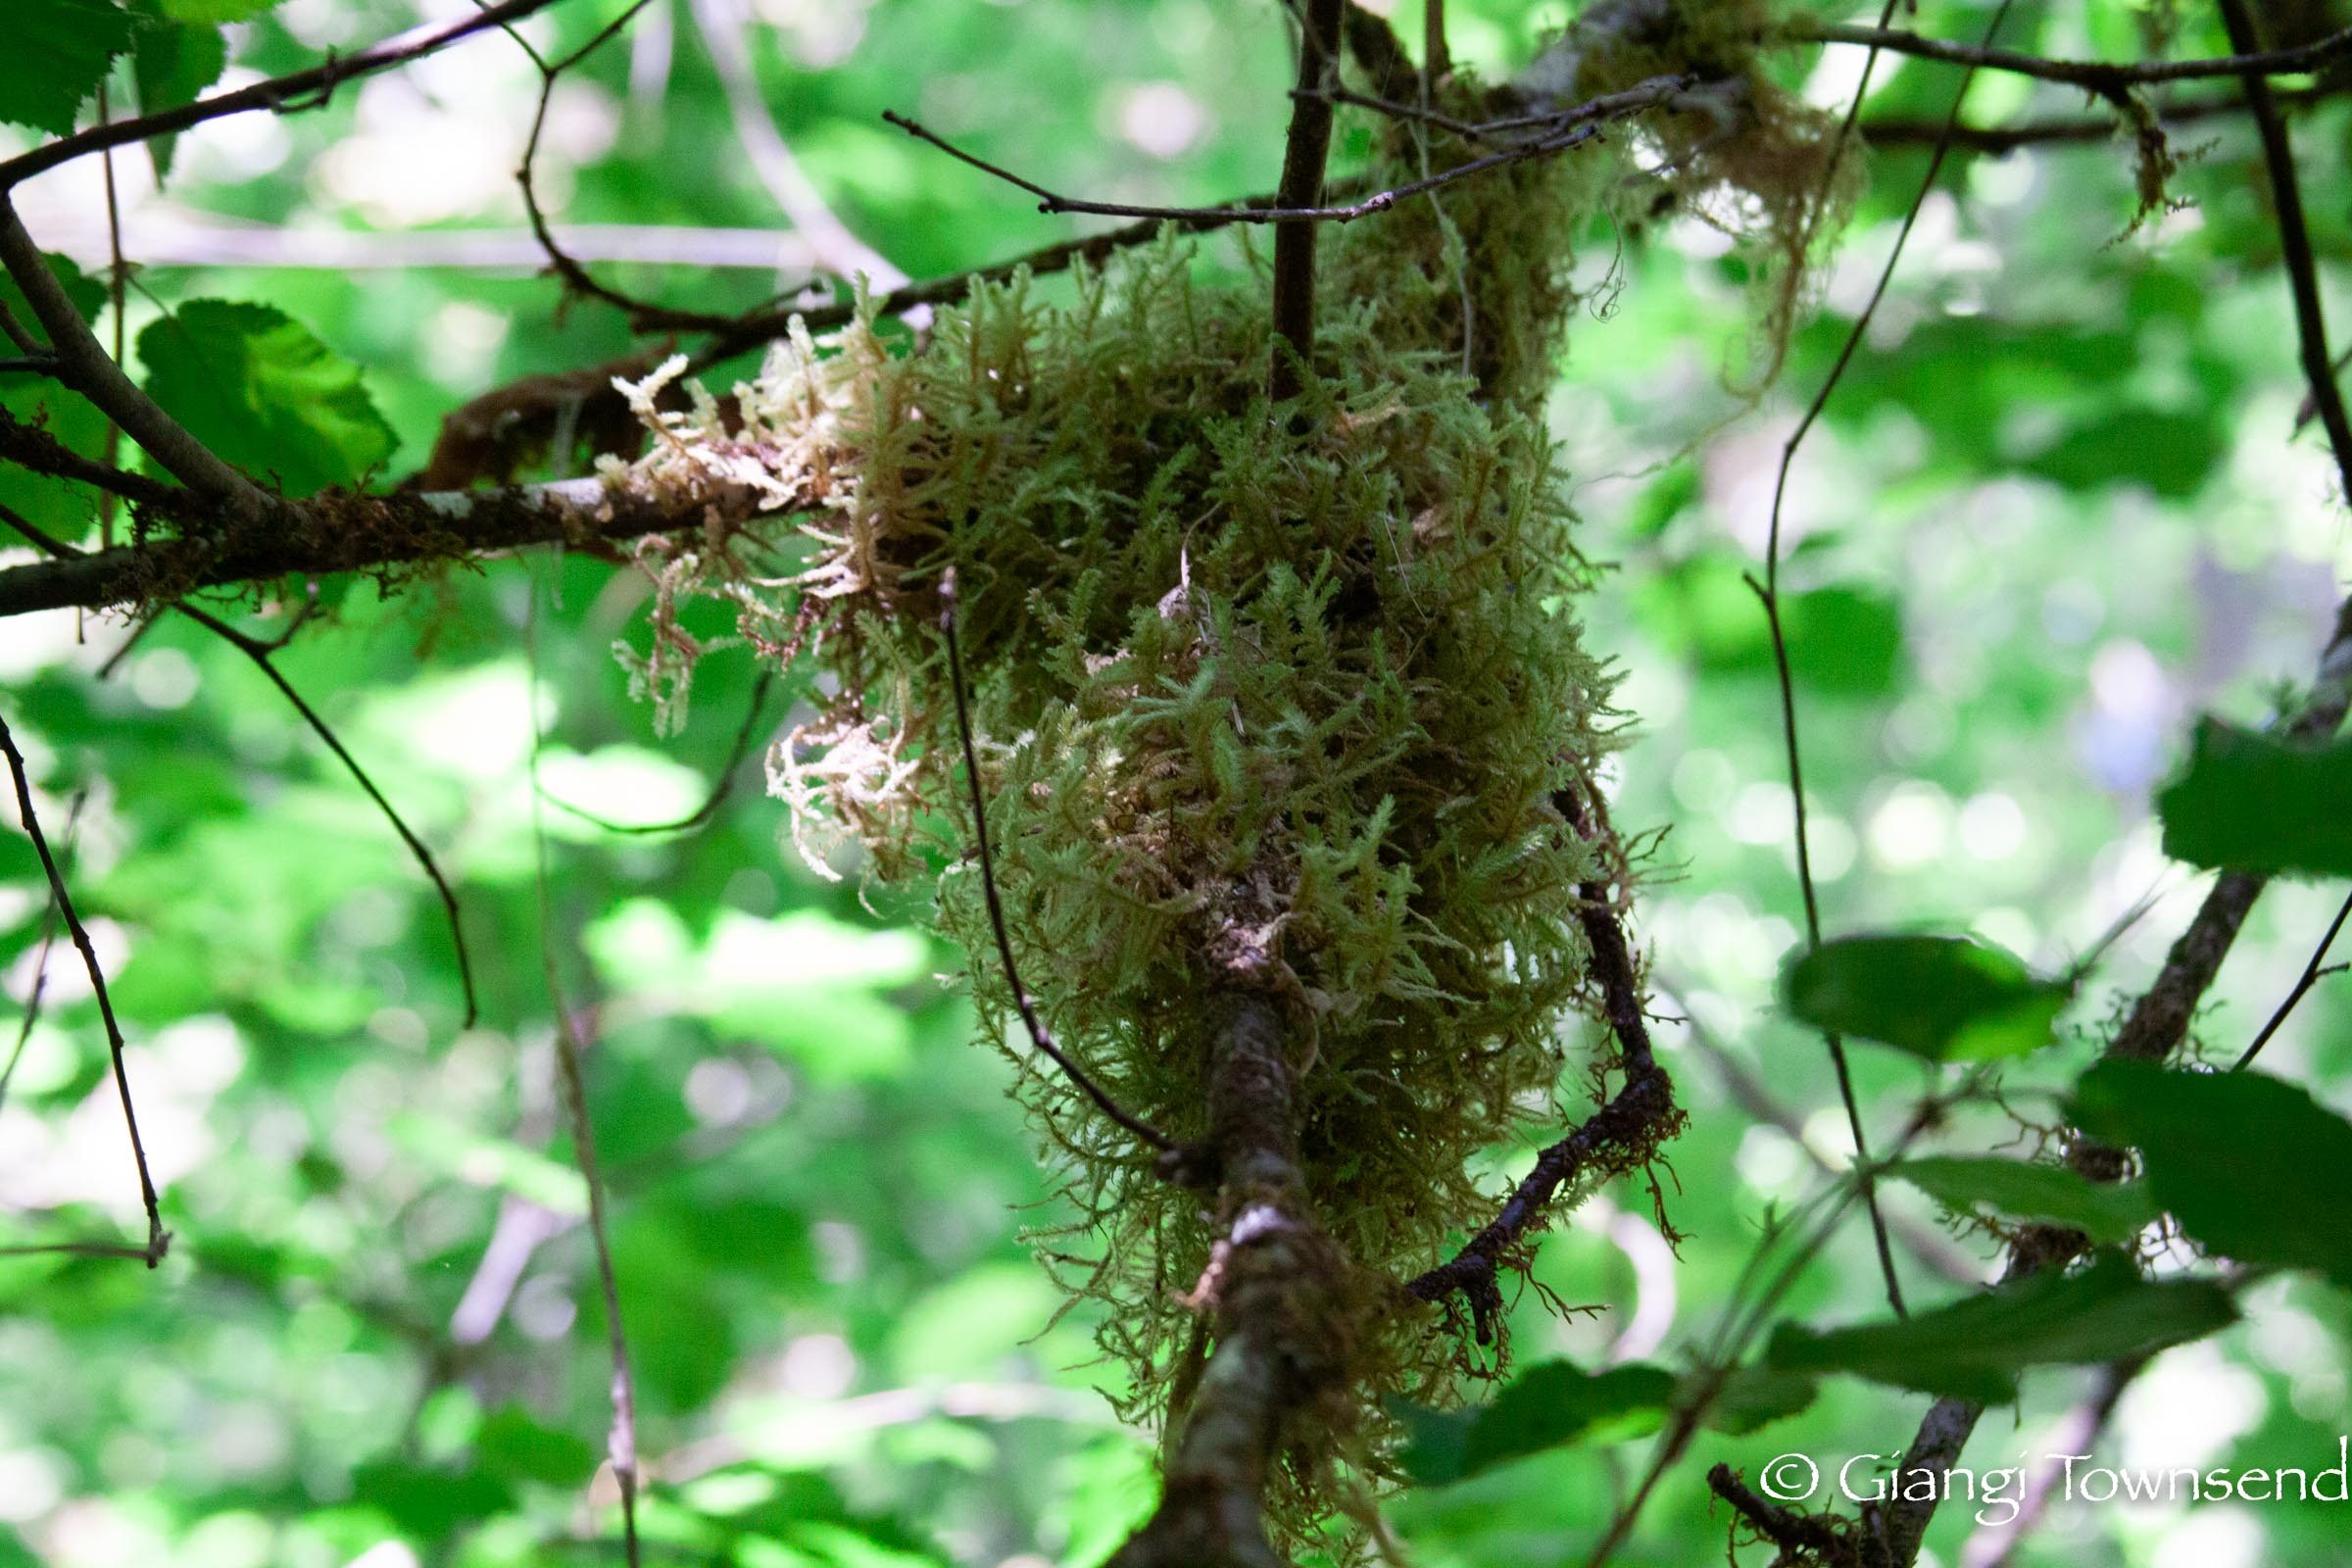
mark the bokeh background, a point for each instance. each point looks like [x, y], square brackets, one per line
[2056, 509]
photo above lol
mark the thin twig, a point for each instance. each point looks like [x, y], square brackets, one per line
[158, 1239]
[722, 784]
[87, 367]
[1579, 125]
[1617, 1137]
[40, 964]
[297, 91]
[2294, 243]
[1769, 592]
[2073, 129]
[258, 653]
[2099, 76]
[28, 446]
[1173, 1155]
[622, 1441]
[117, 279]
[2312, 973]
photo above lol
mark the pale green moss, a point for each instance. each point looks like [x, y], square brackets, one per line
[1302, 680]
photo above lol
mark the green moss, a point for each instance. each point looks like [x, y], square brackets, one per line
[1297, 683]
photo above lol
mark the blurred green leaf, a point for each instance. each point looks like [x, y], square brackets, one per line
[2247, 1163]
[217, 10]
[2255, 802]
[1976, 1347]
[1755, 1396]
[1549, 1406]
[513, 1445]
[1943, 999]
[173, 63]
[262, 392]
[2109, 1214]
[57, 53]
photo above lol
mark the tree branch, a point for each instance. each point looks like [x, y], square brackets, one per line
[1304, 151]
[301, 90]
[87, 367]
[1275, 1287]
[1618, 1137]
[2099, 76]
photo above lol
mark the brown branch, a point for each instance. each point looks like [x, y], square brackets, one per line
[1785, 1528]
[1305, 149]
[2294, 240]
[301, 90]
[1574, 127]
[2073, 128]
[357, 533]
[2103, 78]
[1620, 1136]
[38, 989]
[28, 446]
[159, 1239]
[87, 367]
[1276, 1289]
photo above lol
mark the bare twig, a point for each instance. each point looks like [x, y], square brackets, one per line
[88, 369]
[622, 1441]
[1620, 1136]
[402, 529]
[2312, 972]
[722, 783]
[2294, 241]
[1769, 593]
[1175, 1158]
[2105, 78]
[2076, 129]
[1577, 126]
[39, 986]
[158, 1239]
[297, 91]
[259, 652]
[28, 446]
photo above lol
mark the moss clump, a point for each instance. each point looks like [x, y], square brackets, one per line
[1278, 690]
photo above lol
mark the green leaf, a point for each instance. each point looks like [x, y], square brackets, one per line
[60, 508]
[262, 392]
[1945, 999]
[172, 65]
[1755, 1396]
[58, 52]
[1550, 1406]
[2257, 803]
[217, 10]
[2108, 1213]
[1975, 1348]
[2247, 1163]
[513, 1446]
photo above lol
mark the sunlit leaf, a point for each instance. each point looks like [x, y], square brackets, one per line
[1945, 999]
[2255, 802]
[262, 392]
